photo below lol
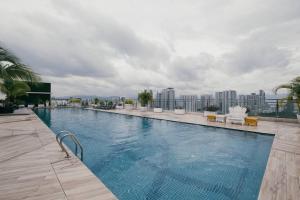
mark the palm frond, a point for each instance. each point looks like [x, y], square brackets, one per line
[283, 86]
[7, 56]
[296, 80]
[12, 69]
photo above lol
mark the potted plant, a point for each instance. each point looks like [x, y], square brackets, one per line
[145, 98]
[294, 93]
[179, 110]
[210, 110]
[128, 104]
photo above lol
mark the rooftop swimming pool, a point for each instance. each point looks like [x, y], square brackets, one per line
[142, 158]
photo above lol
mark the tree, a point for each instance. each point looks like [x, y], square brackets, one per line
[14, 89]
[294, 91]
[128, 101]
[145, 97]
[12, 69]
[96, 101]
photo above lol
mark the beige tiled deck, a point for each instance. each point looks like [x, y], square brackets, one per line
[33, 167]
[282, 176]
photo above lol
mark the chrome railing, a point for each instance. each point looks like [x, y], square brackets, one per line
[73, 138]
[257, 107]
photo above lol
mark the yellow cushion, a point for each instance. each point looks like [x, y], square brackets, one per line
[211, 117]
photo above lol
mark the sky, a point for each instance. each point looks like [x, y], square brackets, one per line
[119, 48]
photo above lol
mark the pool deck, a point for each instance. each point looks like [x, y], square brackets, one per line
[282, 176]
[32, 165]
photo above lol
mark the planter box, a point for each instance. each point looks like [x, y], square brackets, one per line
[298, 117]
[128, 106]
[209, 113]
[143, 109]
[179, 111]
[157, 110]
[119, 107]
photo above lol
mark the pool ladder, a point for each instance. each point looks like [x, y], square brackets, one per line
[73, 138]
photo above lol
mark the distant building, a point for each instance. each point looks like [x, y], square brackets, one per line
[166, 99]
[189, 102]
[226, 99]
[256, 103]
[261, 101]
[59, 102]
[206, 100]
[158, 103]
[111, 98]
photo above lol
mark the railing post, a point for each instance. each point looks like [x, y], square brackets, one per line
[277, 108]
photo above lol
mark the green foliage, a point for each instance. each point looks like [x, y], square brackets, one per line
[294, 92]
[74, 100]
[101, 102]
[13, 75]
[145, 97]
[96, 101]
[129, 101]
[109, 103]
[14, 89]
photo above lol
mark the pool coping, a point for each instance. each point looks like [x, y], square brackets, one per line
[192, 123]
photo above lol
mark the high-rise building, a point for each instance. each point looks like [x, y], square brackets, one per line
[254, 102]
[226, 99]
[166, 99]
[158, 103]
[261, 101]
[189, 102]
[206, 101]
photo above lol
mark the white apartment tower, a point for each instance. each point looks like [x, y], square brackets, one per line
[226, 99]
[206, 100]
[255, 102]
[166, 99]
[189, 102]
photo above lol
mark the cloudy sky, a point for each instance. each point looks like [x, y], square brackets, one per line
[120, 47]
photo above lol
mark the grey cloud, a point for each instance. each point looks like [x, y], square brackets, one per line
[76, 41]
[267, 14]
[122, 39]
[116, 49]
[255, 54]
[191, 68]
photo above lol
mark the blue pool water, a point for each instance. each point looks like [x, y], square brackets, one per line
[141, 158]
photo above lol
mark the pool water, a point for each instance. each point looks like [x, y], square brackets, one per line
[142, 158]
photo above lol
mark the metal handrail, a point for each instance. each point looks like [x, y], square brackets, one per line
[61, 132]
[74, 139]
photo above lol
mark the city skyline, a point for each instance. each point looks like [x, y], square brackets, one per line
[119, 47]
[270, 95]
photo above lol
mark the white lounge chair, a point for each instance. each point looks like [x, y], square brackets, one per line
[236, 115]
